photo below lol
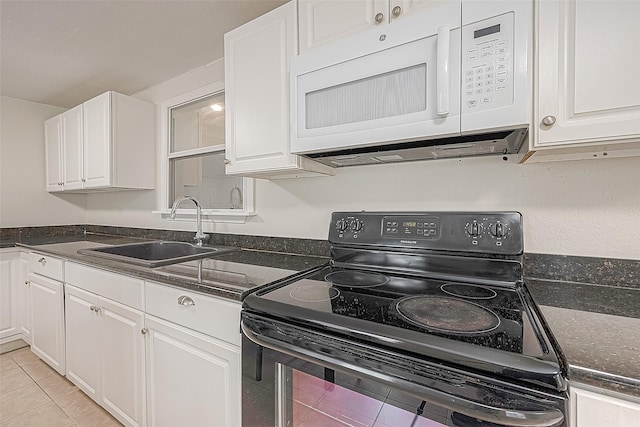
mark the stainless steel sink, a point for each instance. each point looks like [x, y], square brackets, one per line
[156, 254]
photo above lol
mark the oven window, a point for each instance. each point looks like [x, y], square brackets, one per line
[310, 400]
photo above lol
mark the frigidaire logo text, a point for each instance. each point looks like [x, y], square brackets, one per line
[409, 241]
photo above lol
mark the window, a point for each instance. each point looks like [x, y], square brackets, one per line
[194, 161]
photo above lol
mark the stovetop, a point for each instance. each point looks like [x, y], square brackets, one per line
[440, 286]
[490, 316]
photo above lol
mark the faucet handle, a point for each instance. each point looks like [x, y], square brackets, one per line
[201, 237]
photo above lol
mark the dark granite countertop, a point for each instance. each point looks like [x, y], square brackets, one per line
[592, 306]
[231, 275]
[598, 330]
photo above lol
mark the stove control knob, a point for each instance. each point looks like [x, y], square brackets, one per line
[341, 225]
[357, 225]
[473, 229]
[499, 229]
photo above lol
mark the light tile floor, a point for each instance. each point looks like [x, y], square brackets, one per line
[33, 395]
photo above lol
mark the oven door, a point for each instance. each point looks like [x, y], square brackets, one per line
[294, 376]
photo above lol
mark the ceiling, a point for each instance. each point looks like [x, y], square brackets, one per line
[65, 52]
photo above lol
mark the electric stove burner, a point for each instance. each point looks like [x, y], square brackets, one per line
[314, 293]
[448, 315]
[356, 279]
[468, 291]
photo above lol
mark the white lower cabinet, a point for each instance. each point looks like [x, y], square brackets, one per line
[122, 363]
[83, 340]
[152, 354]
[24, 296]
[9, 327]
[193, 358]
[592, 408]
[193, 379]
[47, 321]
[15, 298]
[105, 340]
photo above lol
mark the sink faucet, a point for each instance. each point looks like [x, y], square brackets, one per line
[200, 236]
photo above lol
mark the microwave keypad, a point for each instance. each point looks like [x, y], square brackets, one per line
[488, 65]
[482, 81]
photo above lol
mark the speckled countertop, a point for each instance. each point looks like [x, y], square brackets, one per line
[231, 275]
[592, 305]
[598, 330]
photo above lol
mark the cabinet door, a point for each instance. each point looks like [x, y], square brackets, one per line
[8, 296]
[322, 21]
[82, 325]
[24, 296]
[587, 72]
[401, 8]
[180, 359]
[257, 119]
[97, 141]
[47, 330]
[590, 409]
[72, 139]
[53, 153]
[122, 360]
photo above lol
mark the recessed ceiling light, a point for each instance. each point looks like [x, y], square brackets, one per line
[216, 107]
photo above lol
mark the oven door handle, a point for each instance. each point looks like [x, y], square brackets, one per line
[500, 416]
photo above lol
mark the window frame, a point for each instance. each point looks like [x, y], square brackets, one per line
[185, 212]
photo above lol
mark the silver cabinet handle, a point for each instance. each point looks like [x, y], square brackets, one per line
[83, 180]
[396, 11]
[549, 120]
[42, 261]
[94, 308]
[227, 161]
[379, 17]
[185, 300]
[26, 282]
[144, 331]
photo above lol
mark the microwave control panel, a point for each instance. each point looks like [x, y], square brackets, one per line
[487, 63]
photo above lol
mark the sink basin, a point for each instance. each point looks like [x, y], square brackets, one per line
[156, 254]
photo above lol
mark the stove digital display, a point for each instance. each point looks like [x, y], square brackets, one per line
[423, 227]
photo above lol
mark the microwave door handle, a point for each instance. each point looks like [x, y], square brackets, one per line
[442, 66]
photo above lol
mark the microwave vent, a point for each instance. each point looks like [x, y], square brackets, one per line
[494, 143]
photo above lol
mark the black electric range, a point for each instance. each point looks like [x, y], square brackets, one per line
[445, 288]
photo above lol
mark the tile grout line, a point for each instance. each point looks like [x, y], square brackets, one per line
[33, 408]
[51, 400]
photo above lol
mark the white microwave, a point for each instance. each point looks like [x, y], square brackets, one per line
[453, 79]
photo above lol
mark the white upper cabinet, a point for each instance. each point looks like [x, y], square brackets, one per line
[257, 98]
[63, 148]
[53, 153]
[587, 97]
[105, 143]
[72, 148]
[97, 157]
[322, 21]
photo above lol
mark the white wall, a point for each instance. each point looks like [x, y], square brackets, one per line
[588, 208]
[23, 199]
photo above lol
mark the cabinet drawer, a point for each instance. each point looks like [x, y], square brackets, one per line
[123, 289]
[47, 266]
[212, 316]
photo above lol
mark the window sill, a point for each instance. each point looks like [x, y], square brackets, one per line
[208, 215]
